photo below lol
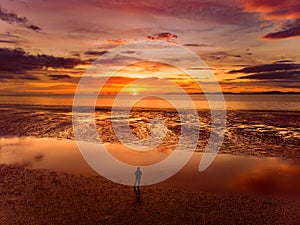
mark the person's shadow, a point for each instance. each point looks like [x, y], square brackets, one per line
[138, 174]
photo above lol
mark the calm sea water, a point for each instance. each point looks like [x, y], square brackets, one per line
[281, 102]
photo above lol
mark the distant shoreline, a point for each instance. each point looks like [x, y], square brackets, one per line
[153, 109]
[112, 95]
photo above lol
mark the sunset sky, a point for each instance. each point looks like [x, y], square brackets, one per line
[250, 46]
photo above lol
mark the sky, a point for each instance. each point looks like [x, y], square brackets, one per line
[47, 46]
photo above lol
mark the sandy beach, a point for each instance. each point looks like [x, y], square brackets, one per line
[31, 196]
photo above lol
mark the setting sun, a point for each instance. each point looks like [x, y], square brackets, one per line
[134, 92]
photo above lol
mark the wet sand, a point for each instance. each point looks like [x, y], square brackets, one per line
[227, 174]
[31, 196]
[255, 133]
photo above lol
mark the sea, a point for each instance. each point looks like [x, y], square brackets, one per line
[270, 102]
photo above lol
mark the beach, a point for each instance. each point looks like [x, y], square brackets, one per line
[32, 196]
[44, 179]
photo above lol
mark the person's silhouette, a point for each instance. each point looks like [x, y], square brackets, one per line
[138, 174]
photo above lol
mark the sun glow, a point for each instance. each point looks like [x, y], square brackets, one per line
[134, 91]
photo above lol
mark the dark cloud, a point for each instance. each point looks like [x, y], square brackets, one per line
[286, 32]
[197, 45]
[279, 74]
[267, 68]
[282, 75]
[248, 51]
[280, 71]
[18, 61]
[76, 54]
[285, 61]
[200, 68]
[95, 53]
[291, 30]
[221, 56]
[59, 76]
[165, 36]
[11, 17]
[131, 52]
[90, 60]
[34, 28]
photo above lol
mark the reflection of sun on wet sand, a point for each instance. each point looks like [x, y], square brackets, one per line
[139, 158]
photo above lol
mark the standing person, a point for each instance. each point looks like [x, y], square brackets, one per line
[138, 174]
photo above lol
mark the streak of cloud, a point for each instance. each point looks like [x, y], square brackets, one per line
[59, 76]
[267, 68]
[11, 17]
[95, 53]
[282, 75]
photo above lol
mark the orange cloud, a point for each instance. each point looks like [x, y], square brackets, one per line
[149, 73]
[273, 9]
[116, 42]
[277, 10]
